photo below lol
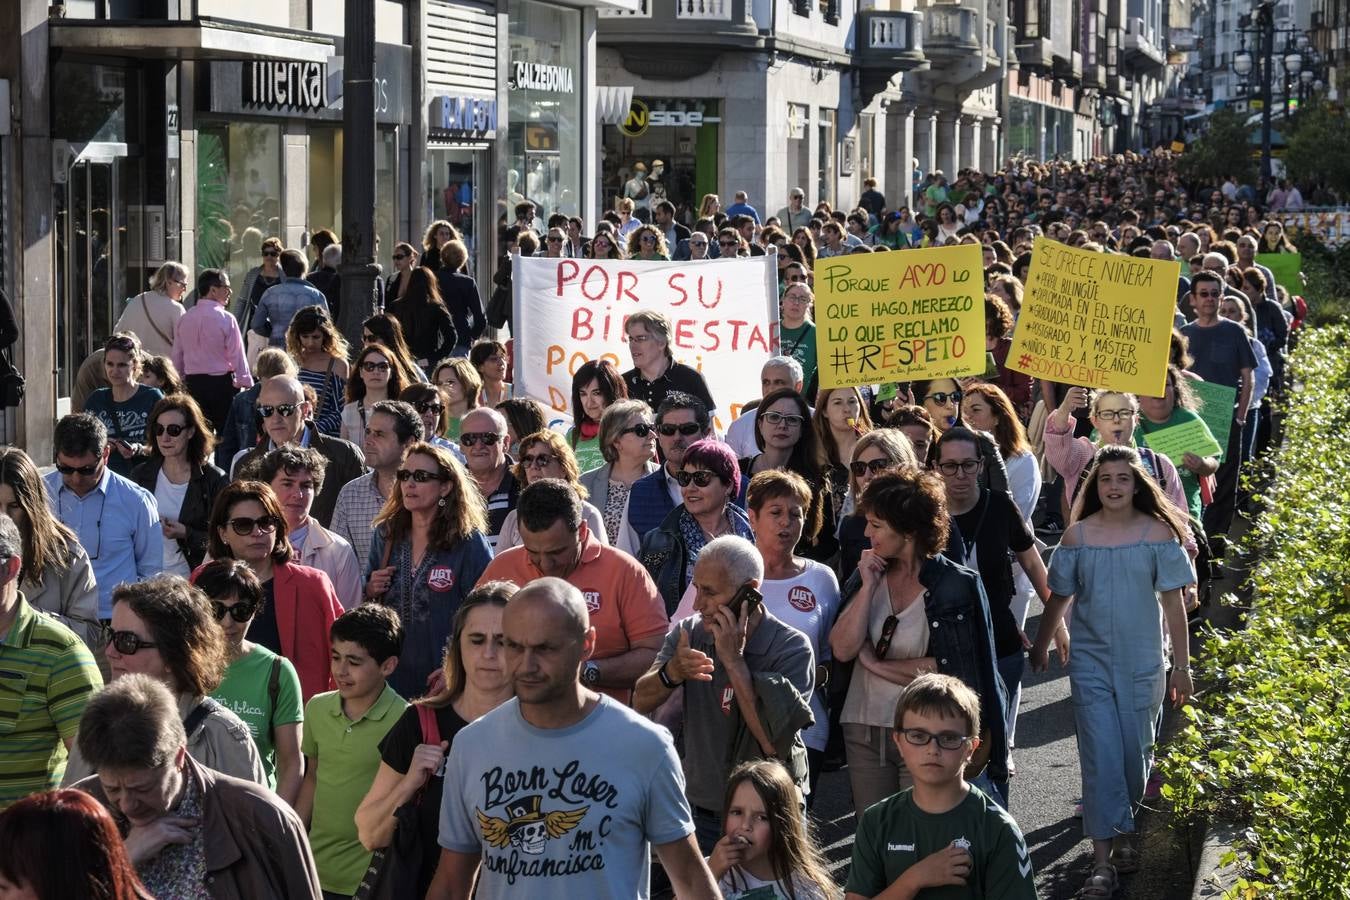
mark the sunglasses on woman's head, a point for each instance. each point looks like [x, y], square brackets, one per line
[240, 612]
[172, 430]
[701, 478]
[128, 643]
[421, 476]
[244, 526]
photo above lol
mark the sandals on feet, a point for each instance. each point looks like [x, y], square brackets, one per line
[1125, 860]
[1102, 884]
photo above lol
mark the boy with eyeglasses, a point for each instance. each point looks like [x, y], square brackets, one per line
[943, 837]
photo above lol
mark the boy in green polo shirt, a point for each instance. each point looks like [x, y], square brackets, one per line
[341, 741]
[942, 838]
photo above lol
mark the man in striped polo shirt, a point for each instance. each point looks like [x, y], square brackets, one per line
[47, 675]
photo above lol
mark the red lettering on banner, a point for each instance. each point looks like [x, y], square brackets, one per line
[757, 337]
[684, 335]
[581, 324]
[586, 280]
[675, 281]
[714, 339]
[626, 282]
[717, 300]
[567, 270]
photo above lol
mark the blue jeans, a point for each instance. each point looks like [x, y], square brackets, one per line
[1010, 669]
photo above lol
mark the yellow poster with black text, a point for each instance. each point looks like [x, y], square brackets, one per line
[1096, 320]
[900, 316]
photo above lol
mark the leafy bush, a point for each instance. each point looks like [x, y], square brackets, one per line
[1327, 270]
[1267, 747]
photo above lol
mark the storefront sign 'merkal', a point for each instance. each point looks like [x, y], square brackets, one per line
[542, 77]
[297, 85]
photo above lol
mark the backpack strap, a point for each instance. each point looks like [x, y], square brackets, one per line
[273, 691]
[198, 715]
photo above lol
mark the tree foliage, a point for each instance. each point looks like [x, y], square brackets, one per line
[1224, 149]
[1319, 149]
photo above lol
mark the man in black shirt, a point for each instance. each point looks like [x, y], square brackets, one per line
[655, 372]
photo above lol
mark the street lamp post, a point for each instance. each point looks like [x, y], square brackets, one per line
[1245, 63]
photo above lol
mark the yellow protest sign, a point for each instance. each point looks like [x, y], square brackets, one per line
[1099, 320]
[900, 316]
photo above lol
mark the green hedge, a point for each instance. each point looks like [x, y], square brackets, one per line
[1327, 270]
[1267, 747]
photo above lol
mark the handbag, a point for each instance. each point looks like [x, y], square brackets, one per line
[12, 384]
[394, 871]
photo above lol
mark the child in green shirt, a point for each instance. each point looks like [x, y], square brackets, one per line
[942, 838]
[341, 741]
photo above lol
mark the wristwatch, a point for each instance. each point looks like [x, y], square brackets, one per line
[590, 673]
[670, 683]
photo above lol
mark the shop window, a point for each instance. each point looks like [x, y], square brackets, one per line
[825, 189]
[238, 191]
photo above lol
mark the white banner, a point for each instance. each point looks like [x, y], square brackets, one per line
[723, 312]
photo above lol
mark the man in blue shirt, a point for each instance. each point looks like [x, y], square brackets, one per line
[116, 520]
[282, 301]
[742, 207]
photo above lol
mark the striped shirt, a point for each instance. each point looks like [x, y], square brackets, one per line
[500, 502]
[47, 675]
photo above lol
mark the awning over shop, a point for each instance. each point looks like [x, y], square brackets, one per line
[612, 104]
[198, 39]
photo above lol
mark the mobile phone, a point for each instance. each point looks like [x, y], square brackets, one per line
[744, 595]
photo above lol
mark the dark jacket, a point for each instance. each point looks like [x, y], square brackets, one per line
[330, 282]
[961, 640]
[853, 541]
[255, 845]
[427, 327]
[346, 461]
[665, 555]
[203, 486]
[649, 502]
[460, 293]
[241, 426]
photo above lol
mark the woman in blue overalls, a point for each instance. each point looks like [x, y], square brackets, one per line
[1122, 560]
[428, 551]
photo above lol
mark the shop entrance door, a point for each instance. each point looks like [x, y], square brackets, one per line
[91, 265]
[457, 175]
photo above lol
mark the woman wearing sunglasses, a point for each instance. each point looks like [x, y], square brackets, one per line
[627, 441]
[320, 352]
[259, 686]
[875, 452]
[299, 603]
[545, 454]
[786, 440]
[462, 386]
[430, 403]
[379, 376]
[163, 627]
[709, 483]
[181, 476]
[258, 279]
[605, 246]
[56, 576]
[405, 259]
[915, 612]
[647, 242]
[429, 549]
[596, 386]
[941, 398]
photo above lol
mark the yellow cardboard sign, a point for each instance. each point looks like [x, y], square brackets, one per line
[900, 316]
[1098, 320]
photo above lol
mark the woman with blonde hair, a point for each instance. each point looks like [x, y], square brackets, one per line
[462, 385]
[56, 575]
[411, 754]
[546, 454]
[429, 548]
[875, 452]
[709, 206]
[320, 353]
[627, 440]
[153, 315]
[647, 242]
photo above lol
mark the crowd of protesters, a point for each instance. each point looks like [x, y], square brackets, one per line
[368, 627]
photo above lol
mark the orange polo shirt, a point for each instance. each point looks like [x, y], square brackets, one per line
[621, 598]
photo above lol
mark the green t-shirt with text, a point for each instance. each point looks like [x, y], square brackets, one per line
[800, 344]
[895, 834]
[244, 693]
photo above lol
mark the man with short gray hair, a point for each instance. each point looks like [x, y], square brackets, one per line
[746, 677]
[560, 791]
[185, 824]
[48, 676]
[777, 373]
[483, 439]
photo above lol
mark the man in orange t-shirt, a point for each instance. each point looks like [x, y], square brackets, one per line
[626, 610]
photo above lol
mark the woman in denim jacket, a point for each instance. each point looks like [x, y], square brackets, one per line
[917, 612]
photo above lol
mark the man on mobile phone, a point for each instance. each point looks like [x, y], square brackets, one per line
[746, 676]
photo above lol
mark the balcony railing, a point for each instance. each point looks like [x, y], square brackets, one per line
[705, 10]
[644, 11]
[950, 29]
[894, 33]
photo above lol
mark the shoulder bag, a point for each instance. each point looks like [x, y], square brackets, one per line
[394, 871]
